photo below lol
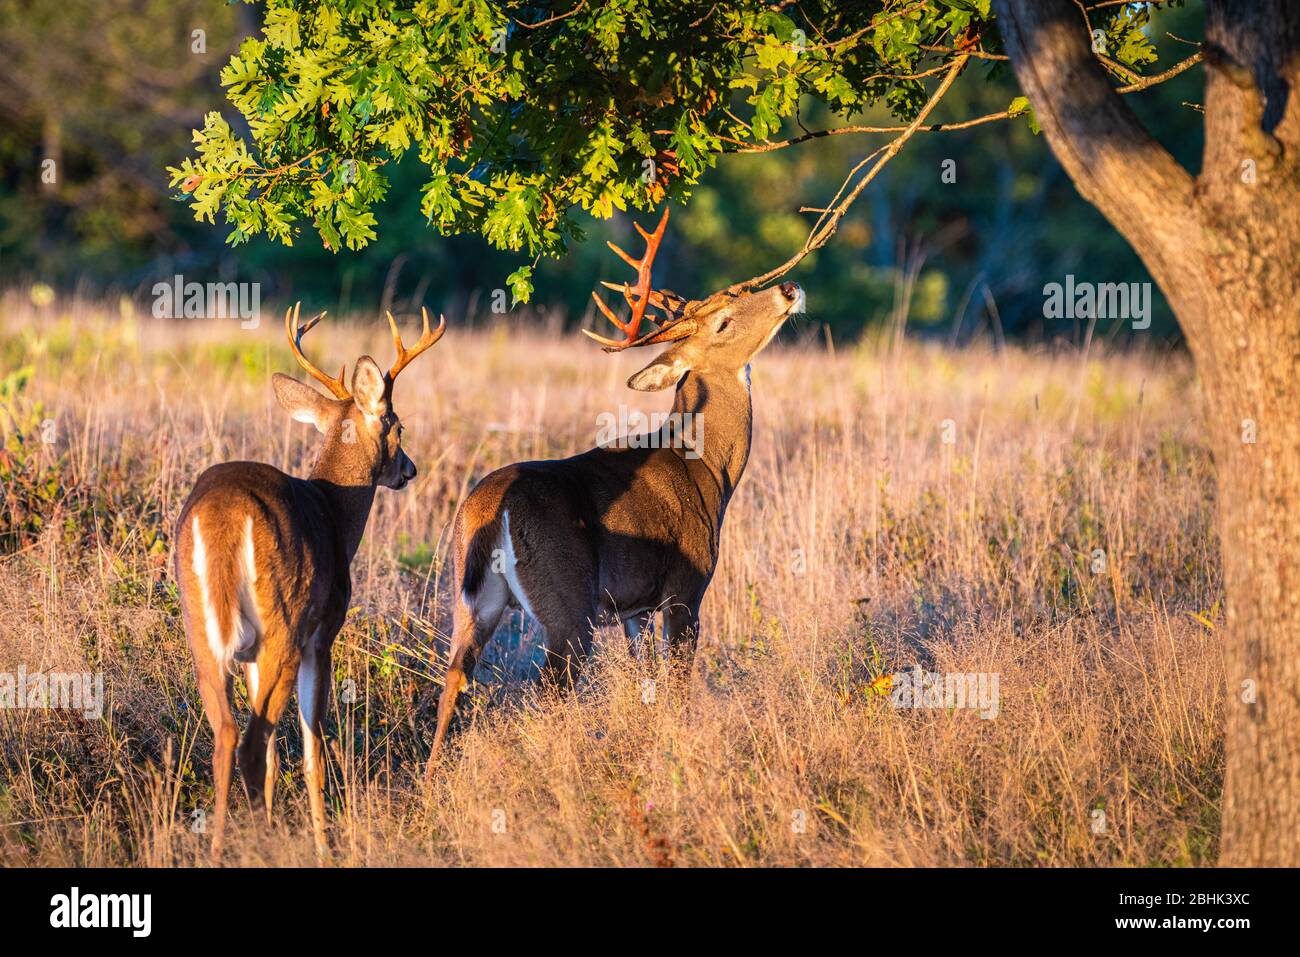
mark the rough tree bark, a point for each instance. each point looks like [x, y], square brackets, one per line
[1224, 247]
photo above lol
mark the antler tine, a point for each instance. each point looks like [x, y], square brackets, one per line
[609, 313]
[295, 334]
[669, 333]
[634, 263]
[668, 302]
[639, 296]
[427, 339]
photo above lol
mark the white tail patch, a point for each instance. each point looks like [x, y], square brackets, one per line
[199, 562]
[508, 570]
[246, 621]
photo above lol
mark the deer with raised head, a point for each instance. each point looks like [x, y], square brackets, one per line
[262, 560]
[617, 534]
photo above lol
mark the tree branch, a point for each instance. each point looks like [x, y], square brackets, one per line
[1113, 160]
[549, 20]
[1143, 83]
[1146, 82]
[1252, 59]
[829, 221]
[742, 147]
[1260, 143]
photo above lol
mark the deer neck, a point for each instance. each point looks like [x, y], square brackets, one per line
[722, 402]
[347, 481]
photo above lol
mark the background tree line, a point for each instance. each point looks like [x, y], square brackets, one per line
[109, 90]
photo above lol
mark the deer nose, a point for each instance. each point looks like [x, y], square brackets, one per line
[794, 292]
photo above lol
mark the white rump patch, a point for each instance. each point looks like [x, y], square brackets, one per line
[511, 575]
[212, 625]
[246, 620]
[248, 623]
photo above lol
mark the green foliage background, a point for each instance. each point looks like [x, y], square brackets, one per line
[363, 130]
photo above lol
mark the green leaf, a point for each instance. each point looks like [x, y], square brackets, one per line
[515, 127]
[521, 284]
[1020, 107]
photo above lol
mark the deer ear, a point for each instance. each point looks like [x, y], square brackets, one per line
[665, 370]
[303, 402]
[369, 387]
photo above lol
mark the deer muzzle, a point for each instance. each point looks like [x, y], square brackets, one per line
[794, 292]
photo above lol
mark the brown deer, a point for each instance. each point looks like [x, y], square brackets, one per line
[262, 561]
[618, 534]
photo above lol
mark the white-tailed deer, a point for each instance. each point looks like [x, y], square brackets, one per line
[262, 560]
[617, 534]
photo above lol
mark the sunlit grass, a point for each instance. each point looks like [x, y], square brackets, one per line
[860, 543]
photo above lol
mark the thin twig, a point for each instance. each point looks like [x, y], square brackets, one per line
[869, 27]
[743, 147]
[827, 224]
[740, 146]
[279, 170]
[977, 54]
[549, 20]
[1147, 82]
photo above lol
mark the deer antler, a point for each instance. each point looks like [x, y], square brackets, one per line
[669, 303]
[427, 339]
[639, 297]
[336, 386]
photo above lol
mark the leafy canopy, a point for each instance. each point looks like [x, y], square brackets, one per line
[525, 113]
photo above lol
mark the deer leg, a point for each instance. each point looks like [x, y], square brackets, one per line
[473, 626]
[314, 676]
[568, 643]
[272, 745]
[682, 628]
[272, 773]
[274, 681]
[632, 629]
[215, 688]
[562, 599]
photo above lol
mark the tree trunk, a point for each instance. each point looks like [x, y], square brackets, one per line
[1225, 249]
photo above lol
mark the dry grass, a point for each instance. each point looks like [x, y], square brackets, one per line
[859, 544]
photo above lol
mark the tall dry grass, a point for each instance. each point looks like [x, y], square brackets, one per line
[860, 544]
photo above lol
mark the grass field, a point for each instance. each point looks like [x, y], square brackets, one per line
[861, 543]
